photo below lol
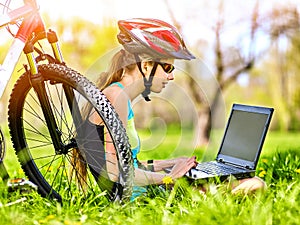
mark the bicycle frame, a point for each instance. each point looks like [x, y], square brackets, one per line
[62, 116]
[30, 31]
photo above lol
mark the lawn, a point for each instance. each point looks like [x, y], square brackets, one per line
[279, 204]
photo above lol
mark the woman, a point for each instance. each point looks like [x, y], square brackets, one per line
[146, 65]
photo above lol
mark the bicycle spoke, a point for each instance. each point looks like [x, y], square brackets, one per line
[36, 131]
[48, 164]
[80, 177]
[53, 105]
[33, 111]
[60, 114]
[56, 175]
[78, 161]
[44, 157]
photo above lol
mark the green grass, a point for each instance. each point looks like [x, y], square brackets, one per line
[279, 204]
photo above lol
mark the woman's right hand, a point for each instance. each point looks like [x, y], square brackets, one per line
[182, 166]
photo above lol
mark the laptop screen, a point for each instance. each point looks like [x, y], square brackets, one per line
[245, 133]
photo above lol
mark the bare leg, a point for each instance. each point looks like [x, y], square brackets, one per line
[249, 185]
[245, 186]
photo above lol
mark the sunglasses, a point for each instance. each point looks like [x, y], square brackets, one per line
[167, 67]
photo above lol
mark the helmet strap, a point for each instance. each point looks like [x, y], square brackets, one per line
[147, 83]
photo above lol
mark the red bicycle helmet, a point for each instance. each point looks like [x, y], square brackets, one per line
[153, 37]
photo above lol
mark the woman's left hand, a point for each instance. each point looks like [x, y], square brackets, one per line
[160, 165]
[182, 166]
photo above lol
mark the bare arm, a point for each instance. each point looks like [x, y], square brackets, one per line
[180, 167]
[160, 165]
[111, 156]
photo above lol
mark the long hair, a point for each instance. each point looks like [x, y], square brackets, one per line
[121, 61]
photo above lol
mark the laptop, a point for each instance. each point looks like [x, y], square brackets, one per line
[241, 145]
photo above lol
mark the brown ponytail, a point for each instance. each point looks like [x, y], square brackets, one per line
[120, 61]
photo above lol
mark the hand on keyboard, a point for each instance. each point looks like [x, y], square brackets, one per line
[182, 167]
[197, 174]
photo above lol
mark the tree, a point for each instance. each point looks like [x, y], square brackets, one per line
[283, 64]
[230, 63]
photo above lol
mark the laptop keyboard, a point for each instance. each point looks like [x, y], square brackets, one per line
[217, 168]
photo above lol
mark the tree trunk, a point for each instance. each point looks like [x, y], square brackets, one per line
[203, 126]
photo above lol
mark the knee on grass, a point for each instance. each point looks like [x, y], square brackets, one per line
[249, 185]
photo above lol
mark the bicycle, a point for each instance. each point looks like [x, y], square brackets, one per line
[3, 172]
[49, 131]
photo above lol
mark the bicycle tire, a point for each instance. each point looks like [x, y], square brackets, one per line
[33, 144]
[2, 145]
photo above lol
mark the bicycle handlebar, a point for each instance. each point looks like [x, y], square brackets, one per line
[20, 12]
[14, 15]
[31, 2]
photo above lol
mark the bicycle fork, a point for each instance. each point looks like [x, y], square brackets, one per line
[37, 82]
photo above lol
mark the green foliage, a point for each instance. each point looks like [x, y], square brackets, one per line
[184, 204]
[167, 142]
[282, 166]
[83, 42]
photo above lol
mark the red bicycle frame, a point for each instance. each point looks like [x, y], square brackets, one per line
[31, 30]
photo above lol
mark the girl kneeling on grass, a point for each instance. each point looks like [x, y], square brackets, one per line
[146, 65]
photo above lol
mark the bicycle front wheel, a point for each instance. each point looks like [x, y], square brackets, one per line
[77, 165]
[2, 145]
